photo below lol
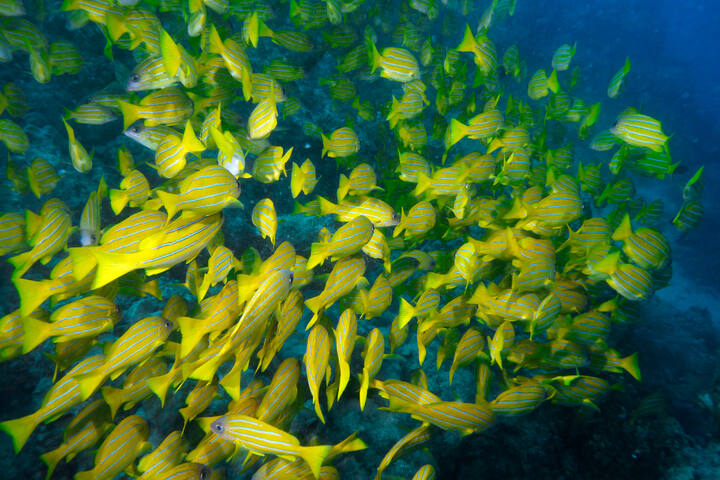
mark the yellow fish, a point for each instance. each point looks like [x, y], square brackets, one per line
[377, 211]
[205, 192]
[373, 357]
[343, 142]
[345, 337]
[264, 218]
[79, 156]
[346, 241]
[345, 275]
[119, 450]
[317, 363]
[303, 178]
[171, 152]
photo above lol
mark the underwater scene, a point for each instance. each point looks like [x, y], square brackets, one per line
[324, 239]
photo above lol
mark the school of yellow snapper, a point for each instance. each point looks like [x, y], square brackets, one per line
[476, 235]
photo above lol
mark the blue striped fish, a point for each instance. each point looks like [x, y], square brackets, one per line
[396, 63]
[469, 347]
[281, 392]
[640, 131]
[617, 82]
[205, 192]
[263, 439]
[342, 142]
[86, 317]
[372, 362]
[134, 346]
[119, 449]
[520, 399]
[167, 455]
[134, 190]
[317, 358]
[407, 444]
[62, 396]
[345, 336]
[346, 241]
[264, 218]
[169, 106]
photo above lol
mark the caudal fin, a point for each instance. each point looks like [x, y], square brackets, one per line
[314, 457]
[32, 295]
[20, 430]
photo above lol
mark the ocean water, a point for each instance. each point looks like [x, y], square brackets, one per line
[666, 426]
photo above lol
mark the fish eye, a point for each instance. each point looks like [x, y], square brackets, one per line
[216, 427]
[169, 325]
[135, 77]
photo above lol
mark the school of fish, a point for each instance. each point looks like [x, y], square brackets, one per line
[475, 230]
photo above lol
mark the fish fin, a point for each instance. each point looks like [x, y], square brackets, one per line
[343, 187]
[297, 179]
[51, 459]
[552, 82]
[405, 313]
[314, 457]
[630, 364]
[22, 263]
[190, 142]
[624, 230]
[326, 206]
[169, 201]
[318, 254]
[110, 266]
[36, 332]
[190, 335]
[114, 399]
[458, 131]
[129, 112]
[159, 385]
[20, 430]
[32, 295]
[89, 382]
[170, 54]
[364, 384]
[375, 57]
[468, 44]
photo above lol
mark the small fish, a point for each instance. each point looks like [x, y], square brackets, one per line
[12, 233]
[264, 218]
[90, 219]
[345, 337]
[303, 178]
[645, 247]
[426, 472]
[483, 50]
[263, 439]
[342, 142]
[640, 131]
[617, 82]
[465, 418]
[134, 191]
[85, 439]
[198, 400]
[121, 447]
[345, 275]
[13, 136]
[407, 444]
[540, 84]
[205, 192]
[236, 60]
[563, 56]
[377, 211]
[519, 400]
[317, 356]
[91, 114]
[42, 177]
[361, 181]
[52, 229]
[372, 362]
[135, 387]
[281, 392]
[171, 153]
[346, 241]
[420, 219]
[469, 347]
[689, 216]
[396, 63]
[270, 164]
[169, 106]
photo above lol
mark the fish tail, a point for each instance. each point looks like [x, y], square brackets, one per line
[375, 58]
[468, 44]
[423, 184]
[458, 131]
[22, 263]
[318, 254]
[552, 82]
[326, 206]
[51, 459]
[169, 201]
[494, 145]
[116, 26]
[364, 385]
[129, 112]
[609, 264]
[405, 313]
[32, 295]
[297, 179]
[344, 368]
[89, 382]
[343, 187]
[170, 54]
[314, 457]
[159, 385]
[87, 475]
[20, 429]
[191, 335]
[630, 364]
[118, 200]
[624, 230]
[326, 145]
[216, 45]
[36, 332]
[110, 266]
[114, 399]
[626, 66]
[153, 288]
